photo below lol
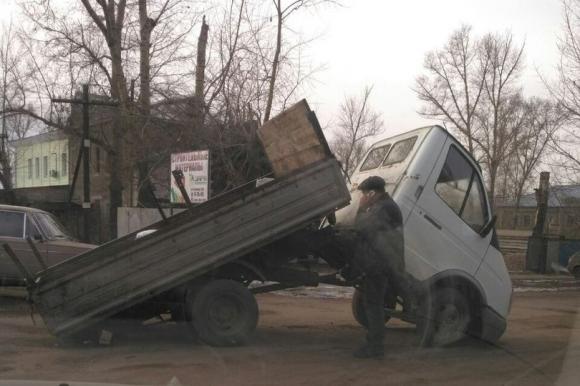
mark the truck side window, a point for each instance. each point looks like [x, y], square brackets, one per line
[375, 157]
[400, 151]
[460, 187]
[11, 224]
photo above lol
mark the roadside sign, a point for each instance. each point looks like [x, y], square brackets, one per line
[195, 168]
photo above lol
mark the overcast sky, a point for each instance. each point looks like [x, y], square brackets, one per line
[382, 43]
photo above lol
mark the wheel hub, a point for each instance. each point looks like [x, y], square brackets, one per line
[224, 312]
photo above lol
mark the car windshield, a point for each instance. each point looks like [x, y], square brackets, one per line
[51, 227]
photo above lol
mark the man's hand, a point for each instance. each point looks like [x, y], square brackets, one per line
[352, 274]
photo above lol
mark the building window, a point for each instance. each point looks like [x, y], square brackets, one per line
[37, 167]
[527, 220]
[64, 164]
[571, 220]
[30, 168]
[45, 166]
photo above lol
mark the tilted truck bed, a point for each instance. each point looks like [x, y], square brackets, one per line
[102, 282]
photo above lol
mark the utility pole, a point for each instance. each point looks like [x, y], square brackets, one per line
[84, 154]
[536, 254]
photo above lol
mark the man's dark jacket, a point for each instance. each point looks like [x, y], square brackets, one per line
[379, 244]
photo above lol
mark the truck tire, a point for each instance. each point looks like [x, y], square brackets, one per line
[358, 310]
[446, 317]
[223, 313]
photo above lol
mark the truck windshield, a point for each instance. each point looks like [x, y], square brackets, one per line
[51, 227]
[375, 158]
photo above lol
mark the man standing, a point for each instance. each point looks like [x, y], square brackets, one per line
[379, 256]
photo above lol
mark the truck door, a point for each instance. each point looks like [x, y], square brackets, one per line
[442, 231]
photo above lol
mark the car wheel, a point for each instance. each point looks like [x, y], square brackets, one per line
[444, 319]
[223, 313]
[358, 309]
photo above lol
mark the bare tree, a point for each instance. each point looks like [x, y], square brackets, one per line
[357, 122]
[566, 92]
[453, 87]
[283, 11]
[13, 74]
[530, 147]
[106, 42]
[501, 116]
[473, 84]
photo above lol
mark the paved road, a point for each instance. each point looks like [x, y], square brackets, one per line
[307, 341]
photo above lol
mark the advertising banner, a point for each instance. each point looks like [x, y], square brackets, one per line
[195, 168]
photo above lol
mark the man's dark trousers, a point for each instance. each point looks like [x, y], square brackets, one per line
[374, 287]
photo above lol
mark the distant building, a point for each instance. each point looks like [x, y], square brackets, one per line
[563, 217]
[41, 160]
[44, 166]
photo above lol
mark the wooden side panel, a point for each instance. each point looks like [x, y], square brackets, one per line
[293, 140]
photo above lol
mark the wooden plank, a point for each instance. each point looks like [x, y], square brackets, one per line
[293, 140]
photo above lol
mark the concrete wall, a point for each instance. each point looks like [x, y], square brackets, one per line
[132, 219]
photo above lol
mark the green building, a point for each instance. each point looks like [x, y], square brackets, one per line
[41, 160]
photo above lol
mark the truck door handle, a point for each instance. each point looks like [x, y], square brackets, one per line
[433, 222]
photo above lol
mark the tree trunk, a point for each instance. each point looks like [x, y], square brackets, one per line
[198, 103]
[275, 64]
[146, 25]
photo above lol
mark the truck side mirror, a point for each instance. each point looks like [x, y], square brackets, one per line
[488, 227]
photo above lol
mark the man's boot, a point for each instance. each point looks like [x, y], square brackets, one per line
[367, 351]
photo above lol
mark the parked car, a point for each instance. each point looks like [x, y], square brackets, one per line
[574, 265]
[17, 223]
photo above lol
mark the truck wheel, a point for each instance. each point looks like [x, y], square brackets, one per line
[446, 319]
[223, 313]
[358, 310]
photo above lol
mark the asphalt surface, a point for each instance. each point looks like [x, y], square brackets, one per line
[304, 340]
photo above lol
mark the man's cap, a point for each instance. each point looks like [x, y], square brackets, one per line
[372, 183]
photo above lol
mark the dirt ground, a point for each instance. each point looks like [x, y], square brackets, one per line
[306, 341]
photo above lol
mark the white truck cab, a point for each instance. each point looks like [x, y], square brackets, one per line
[450, 241]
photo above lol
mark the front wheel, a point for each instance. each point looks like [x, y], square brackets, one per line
[444, 319]
[223, 313]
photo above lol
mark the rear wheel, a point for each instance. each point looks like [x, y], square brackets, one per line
[222, 313]
[358, 309]
[445, 319]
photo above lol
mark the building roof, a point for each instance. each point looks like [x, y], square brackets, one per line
[558, 196]
[40, 138]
